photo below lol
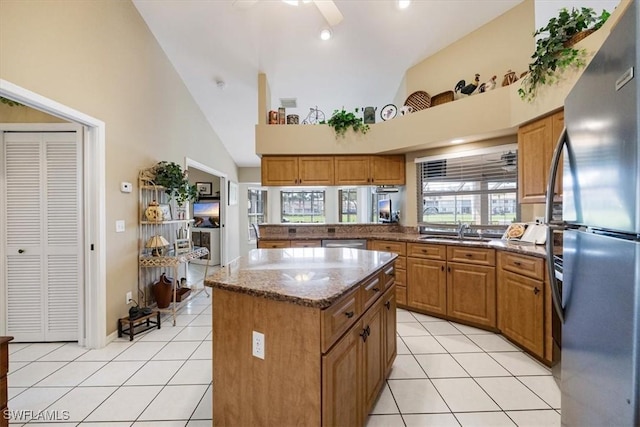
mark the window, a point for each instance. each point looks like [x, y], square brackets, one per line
[302, 206]
[348, 205]
[257, 207]
[474, 188]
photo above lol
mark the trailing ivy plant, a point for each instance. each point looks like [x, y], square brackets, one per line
[171, 176]
[10, 102]
[341, 121]
[554, 54]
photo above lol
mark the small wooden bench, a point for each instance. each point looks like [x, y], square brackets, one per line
[131, 330]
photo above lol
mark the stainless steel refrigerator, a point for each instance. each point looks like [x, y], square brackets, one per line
[600, 297]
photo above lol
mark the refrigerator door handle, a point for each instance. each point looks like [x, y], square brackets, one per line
[548, 216]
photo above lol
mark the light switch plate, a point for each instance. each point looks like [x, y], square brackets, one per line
[120, 226]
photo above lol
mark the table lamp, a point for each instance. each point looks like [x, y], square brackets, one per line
[157, 244]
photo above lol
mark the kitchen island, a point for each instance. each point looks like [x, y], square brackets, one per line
[302, 336]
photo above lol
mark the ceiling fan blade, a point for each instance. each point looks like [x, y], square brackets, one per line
[330, 11]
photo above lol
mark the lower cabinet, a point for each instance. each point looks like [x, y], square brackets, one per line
[456, 282]
[471, 293]
[521, 301]
[354, 370]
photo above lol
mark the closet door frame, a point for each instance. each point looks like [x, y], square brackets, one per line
[95, 270]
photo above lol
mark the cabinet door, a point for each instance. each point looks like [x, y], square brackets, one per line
[315, 170]
[352, 170]
[341, 381]
[427, 285]
[387, 170]
[521, 310]
[280, 170]
[389, 310]
[372, 355]
[534, 160]
[471, 293]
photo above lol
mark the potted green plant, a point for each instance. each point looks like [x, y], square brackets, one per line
[171, 176]
[554, 50]
[341, 121]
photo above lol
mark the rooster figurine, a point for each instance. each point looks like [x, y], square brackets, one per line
[468, 89]
[490, 85]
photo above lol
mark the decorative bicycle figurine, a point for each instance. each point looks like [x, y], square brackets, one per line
[314, 117]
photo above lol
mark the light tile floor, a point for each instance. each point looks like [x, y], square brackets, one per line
[445, 374]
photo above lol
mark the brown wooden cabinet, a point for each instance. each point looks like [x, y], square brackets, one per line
[373, 355]
[471, 293]
[297, 170]
[456, 282]
[273, 244]
[521, 300]
[370, 170]
[390, 347]
[536, 142]
[305, 243]
[4, 368]
[400, 249]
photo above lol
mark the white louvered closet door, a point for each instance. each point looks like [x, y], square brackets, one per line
[43, 229]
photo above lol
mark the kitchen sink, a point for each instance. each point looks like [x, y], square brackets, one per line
[453, 239]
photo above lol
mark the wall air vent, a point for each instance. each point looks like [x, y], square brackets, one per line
[289, 102]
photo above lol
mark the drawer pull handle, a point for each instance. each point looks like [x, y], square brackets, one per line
[424, 251]
[376, 289]
[536, 291]
[517, 263]
[349, 314]
[442, 268]
[387, 248]
[368, 330]
[388, 305]
[390, 272]
[364, 335]
[468, 255]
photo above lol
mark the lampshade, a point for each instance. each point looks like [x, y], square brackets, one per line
[157, 241]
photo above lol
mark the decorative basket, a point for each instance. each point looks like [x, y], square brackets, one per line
[181, 293]
[442, 98]
[577, 37]
[418, 100]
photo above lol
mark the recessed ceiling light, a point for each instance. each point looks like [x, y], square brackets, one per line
[403, 4]
[457, 141]
[325, 34]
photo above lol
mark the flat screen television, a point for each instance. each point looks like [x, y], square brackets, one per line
[206, 214]
[384, 210]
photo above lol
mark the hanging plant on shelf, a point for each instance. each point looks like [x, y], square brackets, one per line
[10, 102]
[171, 176]
[341, 121]
[555, 52]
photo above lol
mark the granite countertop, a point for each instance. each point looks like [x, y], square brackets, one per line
[313, 277]
[500, 244]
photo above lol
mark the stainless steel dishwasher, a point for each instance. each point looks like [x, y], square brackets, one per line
[345, 243]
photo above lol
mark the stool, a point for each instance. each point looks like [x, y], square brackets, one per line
[137, 321]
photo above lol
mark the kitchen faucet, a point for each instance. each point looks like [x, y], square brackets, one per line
[463, 226]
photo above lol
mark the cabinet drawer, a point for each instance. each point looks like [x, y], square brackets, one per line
[306, 243]
[420, 250]
[522, 264]
[479, 256]
[399, 248]
[401, 295]
[273, 244]
[372, 288]
[336, 319]
[401, 263]
[388, 275]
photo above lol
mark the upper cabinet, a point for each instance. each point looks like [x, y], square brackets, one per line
[297, 170]
[333, 170]
[536, 142]
[370, 170]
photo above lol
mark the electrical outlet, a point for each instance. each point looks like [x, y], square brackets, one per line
[258, 345]
[129, 297]
[120, 226]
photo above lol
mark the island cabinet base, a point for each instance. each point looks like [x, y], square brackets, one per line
[311, 374]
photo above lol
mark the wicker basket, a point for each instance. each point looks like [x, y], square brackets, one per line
[577, 37]
[418, 100]
[442, 98]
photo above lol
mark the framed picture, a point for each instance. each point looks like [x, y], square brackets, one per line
[182, 246]
[233, 193]
[204, 188]
[166, 211]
